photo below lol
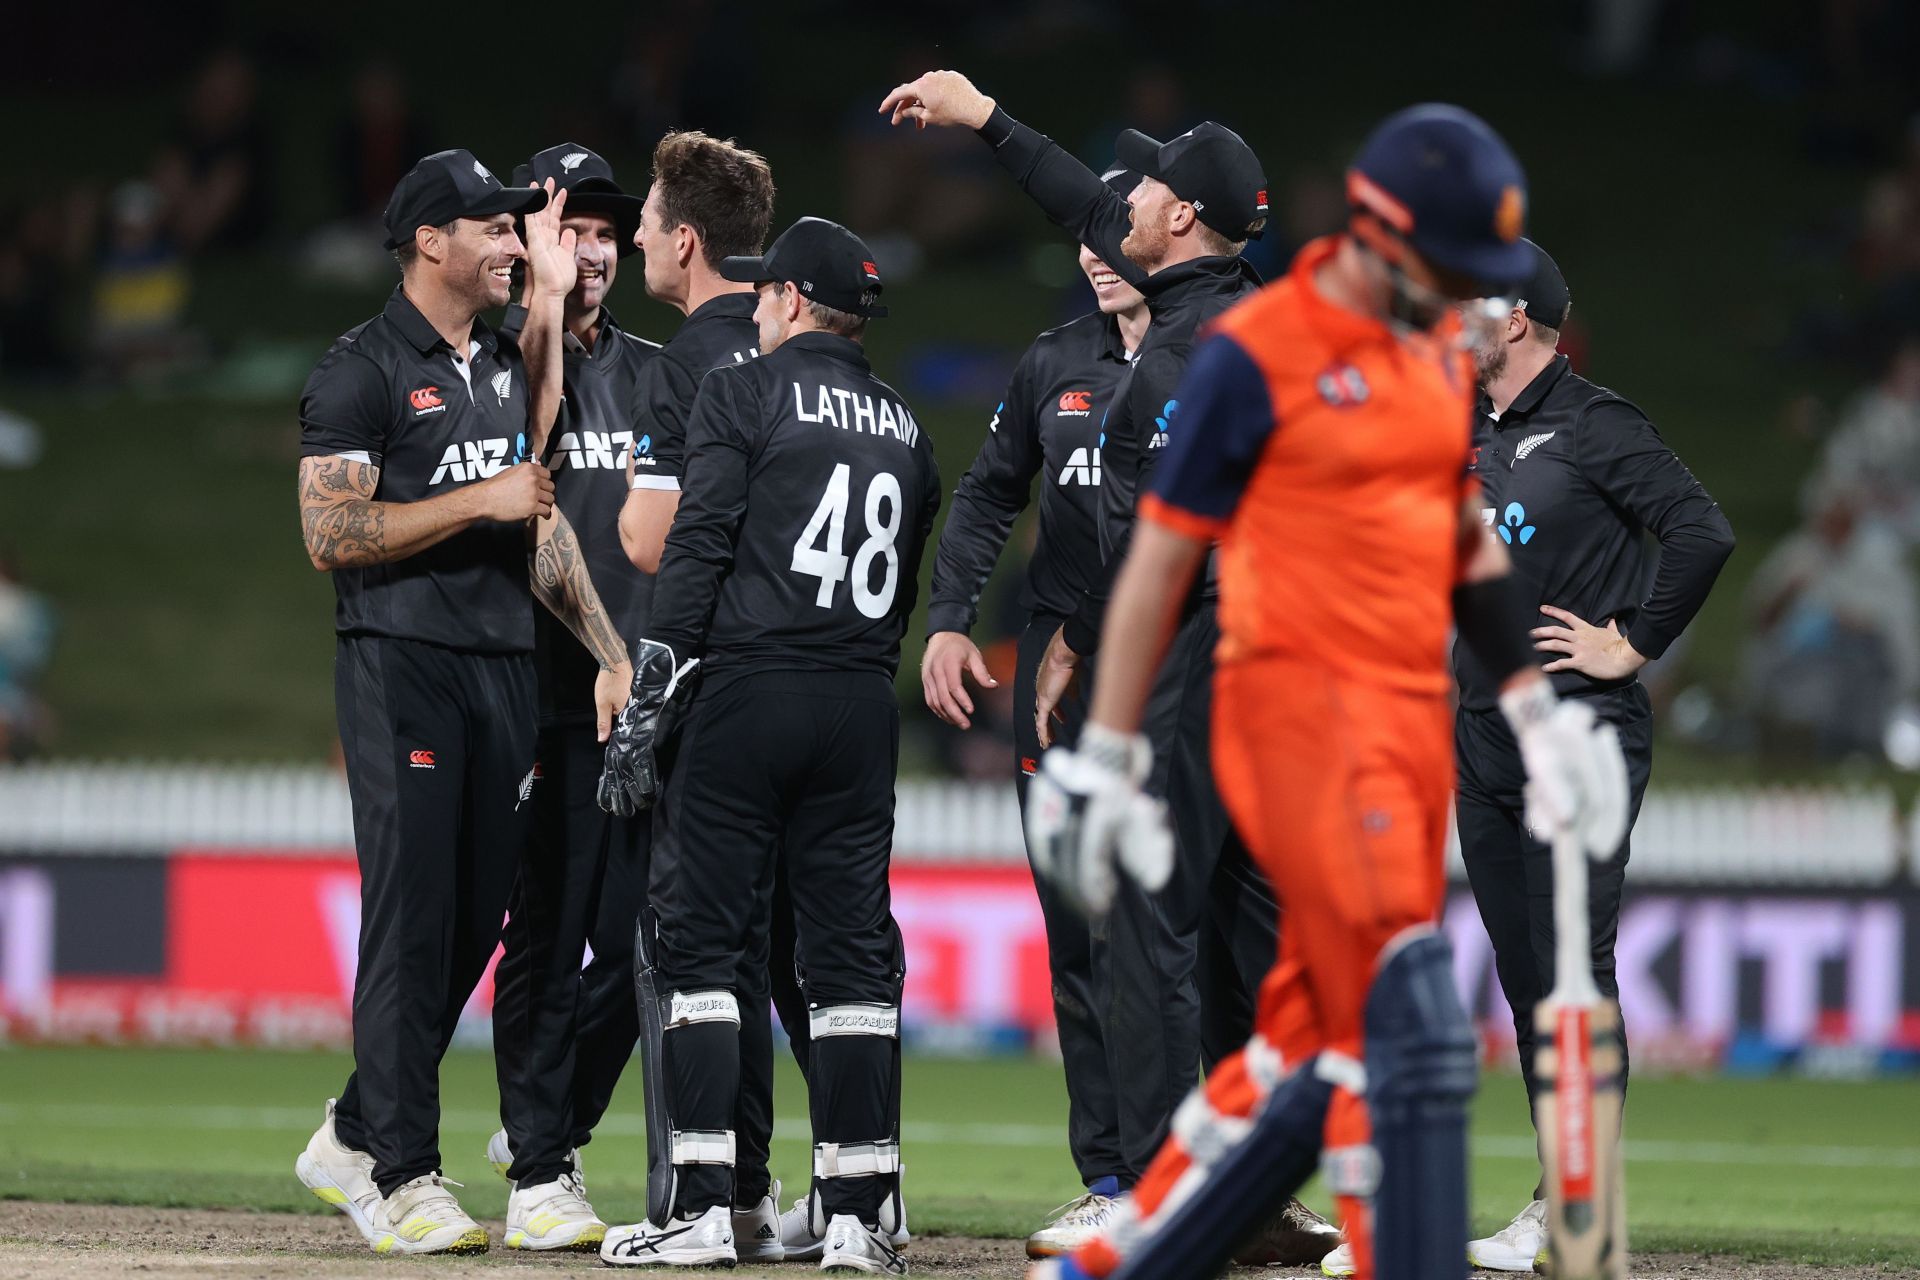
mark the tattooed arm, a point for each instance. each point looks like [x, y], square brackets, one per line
[345, 528]
[561, 582]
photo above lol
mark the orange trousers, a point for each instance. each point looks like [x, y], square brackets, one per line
[1342, 792]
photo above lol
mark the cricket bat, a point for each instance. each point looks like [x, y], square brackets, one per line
[1577, 1060]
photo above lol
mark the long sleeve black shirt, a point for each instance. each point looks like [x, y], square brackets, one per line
[1048, 425]
[1181, 298]
[1572, 478]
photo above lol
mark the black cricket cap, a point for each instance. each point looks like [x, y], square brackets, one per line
[1120, 180]
[448, 185]
[1544, 293]
[1210, 167]
[588, 181]
[825, 261]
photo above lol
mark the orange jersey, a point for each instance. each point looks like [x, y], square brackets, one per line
[1328, 454]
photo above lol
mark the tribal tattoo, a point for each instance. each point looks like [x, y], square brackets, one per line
[342, 527]
[561, 582]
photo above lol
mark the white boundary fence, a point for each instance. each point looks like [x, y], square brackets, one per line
[1799, 836]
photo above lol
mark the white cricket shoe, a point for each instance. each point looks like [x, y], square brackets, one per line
[756, 1231]
[1339, 1262]
[851, 1245]
[706, 1241]
[339, 1175]
[421, 1216]
[500, 1156]
[1071, 1225]
[1514, 1246]
[801, 1245]
[553, 1215]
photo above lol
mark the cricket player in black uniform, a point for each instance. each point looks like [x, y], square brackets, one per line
[1183, 967]
[561, 1035]
[787, 582]
[419, 431]
[1047, 425]
[709, 200]
[1572, 478]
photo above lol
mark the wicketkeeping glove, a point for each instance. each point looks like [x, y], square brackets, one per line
[1576, 775]
[662, 688]
[1085, 811]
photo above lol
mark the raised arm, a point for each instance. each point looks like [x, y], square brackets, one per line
[1071, 194]
[551, 271]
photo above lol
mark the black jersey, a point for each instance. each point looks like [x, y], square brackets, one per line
[392, 392]
[810, 492]
[588, 456]
[1048, 425]
[1572, 478]
[1181, 297]
[719, 331]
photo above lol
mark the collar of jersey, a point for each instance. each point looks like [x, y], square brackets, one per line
[725, 304]
[1537, 390]
[418, 330]
[1197, 275]
[829, 344]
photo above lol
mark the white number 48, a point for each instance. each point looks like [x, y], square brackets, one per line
[828, 562]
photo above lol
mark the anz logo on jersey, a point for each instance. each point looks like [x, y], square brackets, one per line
[478, 459]
[1083, 465]
[595, 451]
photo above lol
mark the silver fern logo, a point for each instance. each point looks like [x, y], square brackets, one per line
[503, 384]
[482, 171]
[571, 161]
[1528, 445]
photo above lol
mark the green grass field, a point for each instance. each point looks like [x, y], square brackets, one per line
[1810, 1171]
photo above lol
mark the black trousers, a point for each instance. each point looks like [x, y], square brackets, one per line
[1176, 975]
[563, 1034]
[439, 750]
[778, 768]
[1093, 1119]
[1512, 873]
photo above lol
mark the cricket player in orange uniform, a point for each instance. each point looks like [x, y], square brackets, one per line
[1323, 443]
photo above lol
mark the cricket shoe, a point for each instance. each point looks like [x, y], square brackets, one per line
[1072, 1225]
[1514, 1246]
[756, 1231]
[851, 1245]
[553, 1215]
[1338, 1263]
[421, 1216]
[803, 1246]
[339, 1175]
[1294, 1237]
[705, 1241]
[500, 1156]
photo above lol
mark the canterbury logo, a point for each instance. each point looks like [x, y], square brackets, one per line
[871, 268]
[571, 161]
[1531, 443]
[425, 398]
[1078, 403]
[421, 759]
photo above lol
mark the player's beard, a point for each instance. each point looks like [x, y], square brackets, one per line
[1490, 360]
[1148, 243]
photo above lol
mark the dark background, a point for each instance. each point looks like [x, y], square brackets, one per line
[1731, 188]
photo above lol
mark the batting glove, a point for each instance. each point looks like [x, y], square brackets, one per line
[662, 688]
[1085, 812]
[1576, 775]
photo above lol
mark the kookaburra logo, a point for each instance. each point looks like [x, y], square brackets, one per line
[571, 161]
